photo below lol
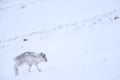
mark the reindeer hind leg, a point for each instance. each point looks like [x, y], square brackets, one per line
[16, 68]
[16, 71]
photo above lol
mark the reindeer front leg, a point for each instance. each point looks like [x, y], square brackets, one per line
[37, 67]
[30, 65]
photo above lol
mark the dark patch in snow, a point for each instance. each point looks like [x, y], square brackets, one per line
[23, 6]
[105, 59]
[25, 39]
[18, 4]
[116, 17]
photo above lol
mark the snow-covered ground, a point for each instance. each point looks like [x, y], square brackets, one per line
[80, 38]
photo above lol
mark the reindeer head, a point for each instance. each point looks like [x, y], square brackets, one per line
[44, 58]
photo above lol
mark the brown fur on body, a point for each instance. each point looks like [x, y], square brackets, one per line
[29, 58]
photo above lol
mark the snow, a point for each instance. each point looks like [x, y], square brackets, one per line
[80, 38]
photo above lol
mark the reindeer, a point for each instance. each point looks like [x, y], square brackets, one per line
[29, 58]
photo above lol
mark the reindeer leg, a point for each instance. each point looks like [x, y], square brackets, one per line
[16, 71]
[16, 68]
[37, 67]
[29, 67]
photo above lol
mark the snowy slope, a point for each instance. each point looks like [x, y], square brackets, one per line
[80, 38]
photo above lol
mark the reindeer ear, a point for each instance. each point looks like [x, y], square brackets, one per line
[41, 54]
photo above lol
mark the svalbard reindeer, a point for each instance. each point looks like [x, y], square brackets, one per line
[29, 58]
